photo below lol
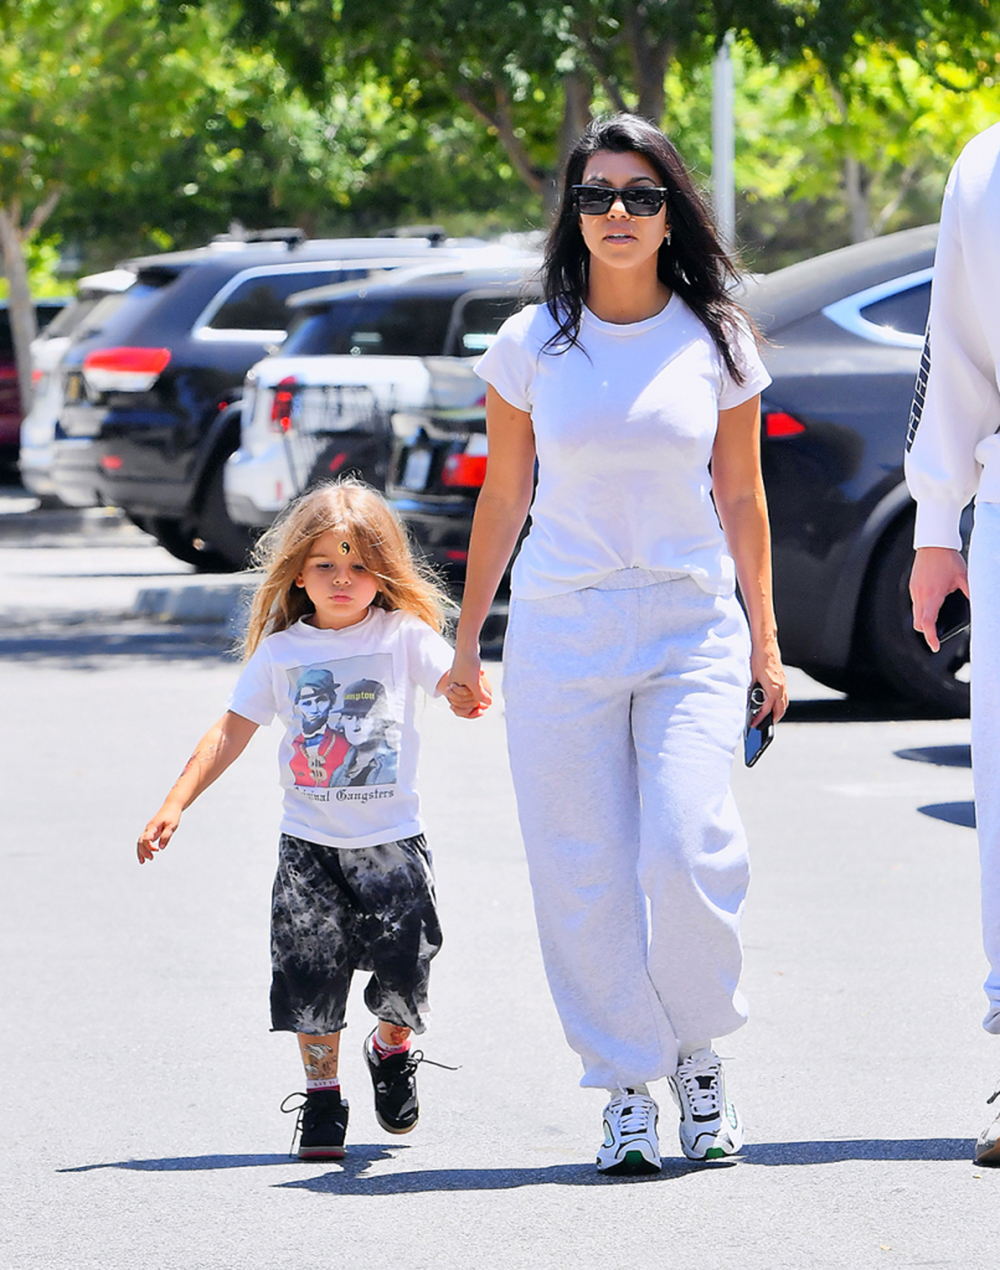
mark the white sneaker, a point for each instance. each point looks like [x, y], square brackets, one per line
[630, 1141]
[710, 1127]
[988, 1142]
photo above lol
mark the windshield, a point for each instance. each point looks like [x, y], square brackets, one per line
[395, 326]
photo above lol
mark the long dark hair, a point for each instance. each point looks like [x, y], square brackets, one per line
[694, 263]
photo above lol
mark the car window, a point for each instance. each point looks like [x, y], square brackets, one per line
[478, 320]
[905, 311]
[135, 300]
[394, 326]
[66, 321]
[258, 303]
[45, 311]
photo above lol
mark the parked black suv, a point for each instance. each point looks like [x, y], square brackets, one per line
[845, 332]
[149, 419]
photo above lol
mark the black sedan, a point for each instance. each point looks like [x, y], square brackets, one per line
[844, 333]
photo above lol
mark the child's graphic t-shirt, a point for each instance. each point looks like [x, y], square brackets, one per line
[347, 699]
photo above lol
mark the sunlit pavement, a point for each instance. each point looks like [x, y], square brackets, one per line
[141, 1087]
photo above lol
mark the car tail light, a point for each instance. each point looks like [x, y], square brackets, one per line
[36, 376]
[338, 461]
[468, 470]
[124, 369]
[459, 557]
[779, 424]
[281, 406]
[111, 462]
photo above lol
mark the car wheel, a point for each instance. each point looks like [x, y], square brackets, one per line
[217, 532]
[861, 684]
[937, 682]
[180, 540]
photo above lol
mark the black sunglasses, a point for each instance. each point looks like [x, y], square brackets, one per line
[640, 200]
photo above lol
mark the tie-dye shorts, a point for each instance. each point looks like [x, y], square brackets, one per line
[337, 910]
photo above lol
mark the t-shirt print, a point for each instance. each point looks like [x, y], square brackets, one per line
[346, 732]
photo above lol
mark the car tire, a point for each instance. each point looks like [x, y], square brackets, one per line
[859, 684]
[217, 533]
[180, 540]
[931, 681]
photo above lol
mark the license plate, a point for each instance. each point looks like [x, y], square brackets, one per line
[80, 421]
[416, 469]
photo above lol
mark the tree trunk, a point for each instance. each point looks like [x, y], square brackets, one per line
[856, 188]
[578, 89]
[23, 326]
[650, 57]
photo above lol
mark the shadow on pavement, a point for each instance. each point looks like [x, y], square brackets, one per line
[939, 755]
[963, 814]
[350, 1178]
[91, 649]
[783, 1153]
[187, 1163]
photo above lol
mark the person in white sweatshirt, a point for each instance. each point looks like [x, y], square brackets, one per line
[953, 456]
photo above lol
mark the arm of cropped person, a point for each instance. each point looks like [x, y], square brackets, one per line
[738, 488]
[221, 745]
[501, 510]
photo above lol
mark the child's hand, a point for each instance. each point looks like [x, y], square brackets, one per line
[467, 704]
[157, 833]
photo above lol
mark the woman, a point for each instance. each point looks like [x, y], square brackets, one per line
[627, 661]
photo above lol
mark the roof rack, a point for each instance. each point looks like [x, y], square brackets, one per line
[435, 234]
[291, 236]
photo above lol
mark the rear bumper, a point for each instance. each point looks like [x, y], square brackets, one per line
[74, 473]
[257, 484]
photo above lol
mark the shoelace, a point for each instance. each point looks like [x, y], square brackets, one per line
[701, 1085]
[635, 1115]
[415, 1058]
[297, 1110]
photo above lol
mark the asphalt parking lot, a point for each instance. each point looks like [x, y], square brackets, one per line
[140, 1085]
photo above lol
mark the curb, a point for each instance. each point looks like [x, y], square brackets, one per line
[197, 602]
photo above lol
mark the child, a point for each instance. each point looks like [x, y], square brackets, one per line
[342, 602]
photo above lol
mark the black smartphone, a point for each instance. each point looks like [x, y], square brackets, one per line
[756, 739]
[953, 616]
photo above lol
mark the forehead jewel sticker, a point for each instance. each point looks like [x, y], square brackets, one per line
[345, 548]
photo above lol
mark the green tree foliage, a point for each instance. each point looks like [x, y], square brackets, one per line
[91, 88]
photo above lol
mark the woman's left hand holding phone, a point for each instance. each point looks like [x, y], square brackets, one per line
[766, 669]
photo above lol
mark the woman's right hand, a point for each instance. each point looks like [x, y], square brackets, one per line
[467, 678]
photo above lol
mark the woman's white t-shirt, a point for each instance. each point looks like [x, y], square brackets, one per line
[624, 429]
[347, 700]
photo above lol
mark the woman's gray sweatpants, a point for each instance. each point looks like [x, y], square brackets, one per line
[984, 586]
[624, 704]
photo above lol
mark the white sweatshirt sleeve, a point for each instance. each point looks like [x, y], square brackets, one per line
[956, 403]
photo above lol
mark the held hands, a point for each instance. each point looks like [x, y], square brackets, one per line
[158, 832]
[467, 688]
[767, 670]
[937, 571]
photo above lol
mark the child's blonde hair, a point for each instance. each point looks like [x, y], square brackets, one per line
[351, 508]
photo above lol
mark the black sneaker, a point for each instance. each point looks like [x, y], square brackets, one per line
[321, 1124]
[395, 1079]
